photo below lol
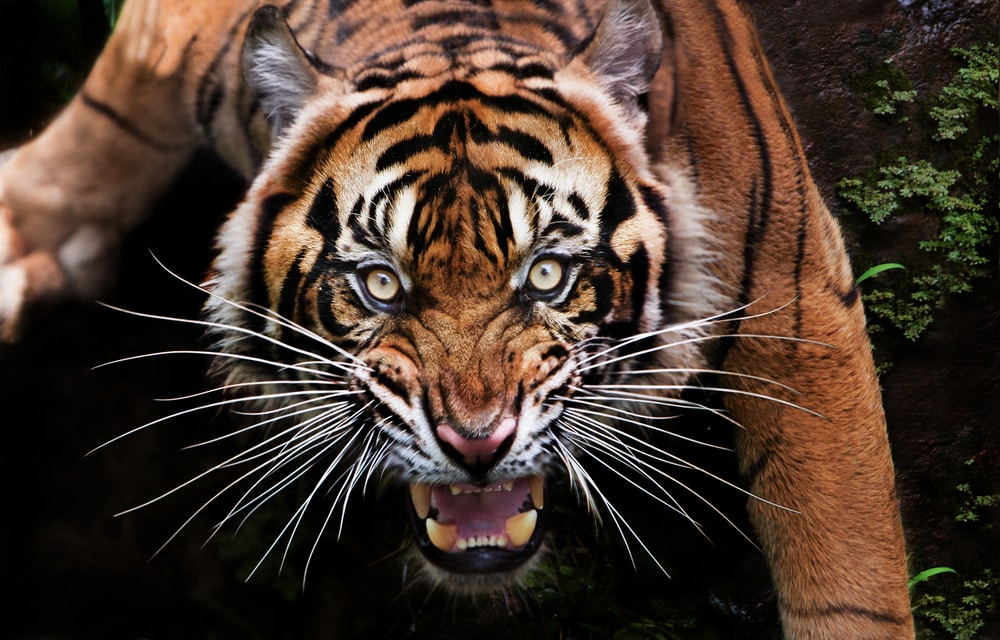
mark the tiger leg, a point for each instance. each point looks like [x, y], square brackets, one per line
[834, 540]
[816, 458]
[68, 196]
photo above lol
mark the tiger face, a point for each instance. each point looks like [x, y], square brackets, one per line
[434, 280]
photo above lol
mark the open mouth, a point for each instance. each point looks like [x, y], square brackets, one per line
[469, 528]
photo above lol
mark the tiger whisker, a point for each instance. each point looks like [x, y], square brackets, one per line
[717, 372]
[648, 399]
[183, 412]
[590, 439]
[700, 323]
[616, 410]
[316, 396]
[683, 387]
[643, 425]
[686, 341]
[617, 519]
[670, 459]
[255, 383]
[633, 454]
[281, 366]
[346, 366]
[302, 432]
[276, 418]
[365, 459]
[260, 312]
[232, 461]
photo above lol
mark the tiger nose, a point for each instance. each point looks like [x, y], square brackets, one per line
[477, 453]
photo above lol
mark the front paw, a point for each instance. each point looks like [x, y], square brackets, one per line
[28, 281]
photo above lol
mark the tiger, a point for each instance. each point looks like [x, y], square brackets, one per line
[486, 244]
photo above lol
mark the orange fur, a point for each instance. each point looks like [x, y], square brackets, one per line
[718, 144]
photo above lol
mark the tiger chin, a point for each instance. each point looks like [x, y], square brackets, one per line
[486, 246]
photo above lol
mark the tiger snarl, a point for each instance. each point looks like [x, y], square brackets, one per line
[486, 244]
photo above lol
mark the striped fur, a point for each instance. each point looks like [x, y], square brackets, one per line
[475, 225]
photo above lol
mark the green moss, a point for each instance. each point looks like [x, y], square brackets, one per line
[956, 181]
[974, 503]
[959, 613]
[884, 89]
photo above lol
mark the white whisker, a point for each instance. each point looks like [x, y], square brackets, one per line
[616, 517]
[682, 387]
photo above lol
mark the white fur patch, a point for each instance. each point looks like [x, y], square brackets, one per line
[13, 283]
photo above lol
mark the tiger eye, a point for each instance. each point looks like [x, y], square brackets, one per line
[546, 275]
[382, 285]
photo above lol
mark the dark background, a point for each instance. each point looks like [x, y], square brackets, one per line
[69, 568]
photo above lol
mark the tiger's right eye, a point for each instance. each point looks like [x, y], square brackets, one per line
[382, 286]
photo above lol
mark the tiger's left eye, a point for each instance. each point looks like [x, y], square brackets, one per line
[382, 286]
[546, 276]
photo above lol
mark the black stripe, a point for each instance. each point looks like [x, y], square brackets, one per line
[325, 302]
[403, 151]
[579, 206]
[393, 114]
[127, 125]
[323, 215]
[269, 212]
[338, 7]
[850, 297]
[531, 187]
[392, 386]
[208, 96]
[668, 273]
[638, 266]
[619, 206]
[759, 218]
[305, 166]
[563, 226]
[526, 144]
[474, 19]
[604, 295]
[290, 290]
[837, 610]
[381, 79]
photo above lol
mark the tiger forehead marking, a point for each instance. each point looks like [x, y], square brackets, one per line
[460, 190]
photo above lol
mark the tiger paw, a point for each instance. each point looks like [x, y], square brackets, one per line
[34, 279]
[27, 280]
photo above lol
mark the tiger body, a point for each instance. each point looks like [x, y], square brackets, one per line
[457, 204]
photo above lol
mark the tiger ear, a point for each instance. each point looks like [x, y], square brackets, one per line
[277, 70]
[626, 50]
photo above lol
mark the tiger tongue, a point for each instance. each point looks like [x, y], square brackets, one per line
[469, 516]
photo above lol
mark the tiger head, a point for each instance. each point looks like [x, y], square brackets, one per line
[441, 268]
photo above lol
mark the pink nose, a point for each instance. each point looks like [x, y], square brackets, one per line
[477, 452]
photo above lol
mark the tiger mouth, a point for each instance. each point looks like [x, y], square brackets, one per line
[467, 528]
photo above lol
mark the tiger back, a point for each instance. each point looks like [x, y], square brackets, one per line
[485, 245]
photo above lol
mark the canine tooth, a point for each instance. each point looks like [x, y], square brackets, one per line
[442, 536]
[520, 527]
[537, 488]
[421, 496]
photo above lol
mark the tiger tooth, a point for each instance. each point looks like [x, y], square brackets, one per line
[455, 489]
[442, 536]
[421, 496]
[508, 486]
[520, 527]
[537, 487]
